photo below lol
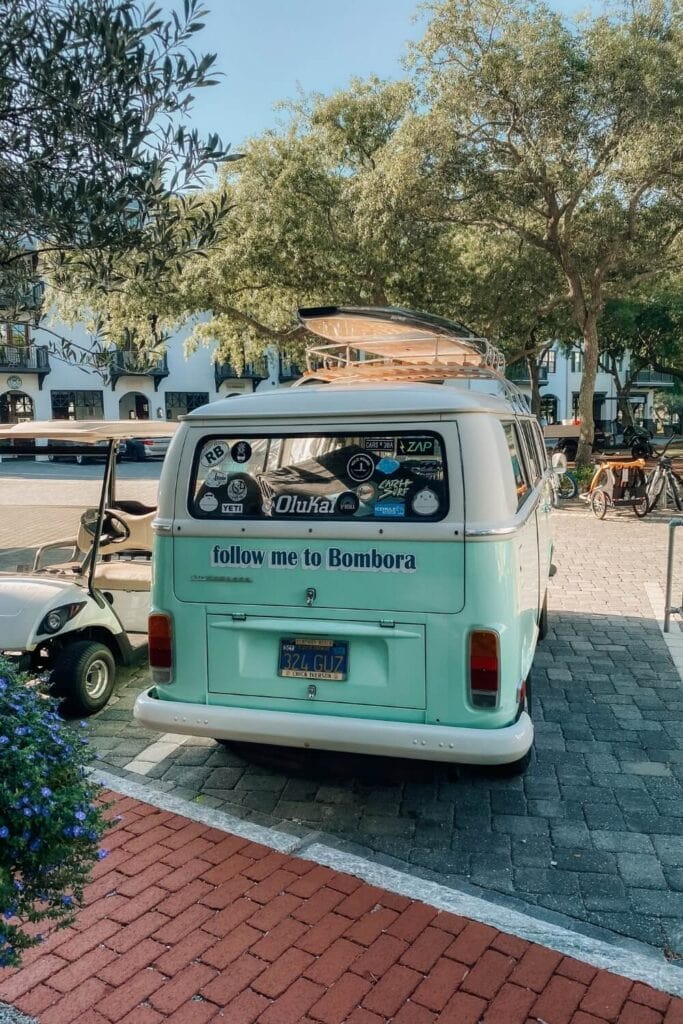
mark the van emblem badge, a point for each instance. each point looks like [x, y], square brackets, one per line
[360, 467]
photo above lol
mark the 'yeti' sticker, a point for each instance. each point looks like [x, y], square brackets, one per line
[214, 455]
[425, 502]
[231, 509]
[208, 503]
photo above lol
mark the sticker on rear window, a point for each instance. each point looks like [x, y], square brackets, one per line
[214, 455]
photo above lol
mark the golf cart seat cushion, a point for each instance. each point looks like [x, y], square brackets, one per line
[123, 575]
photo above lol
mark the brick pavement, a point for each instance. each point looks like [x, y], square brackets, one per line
[187, 924]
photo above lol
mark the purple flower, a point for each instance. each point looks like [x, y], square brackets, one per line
[4, 832]
[102, 853]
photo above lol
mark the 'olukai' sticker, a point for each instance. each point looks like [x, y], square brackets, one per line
[214, 455]
[425, 502]
[360, 467]
[208, 503]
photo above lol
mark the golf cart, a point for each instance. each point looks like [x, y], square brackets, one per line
[74, 612]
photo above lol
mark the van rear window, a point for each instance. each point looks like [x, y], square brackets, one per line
[388, 476]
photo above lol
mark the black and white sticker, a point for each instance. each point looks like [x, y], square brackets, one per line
[236, 490]
[216, 478]
[232, 509]
[360, 467]
[347, 504]
[240, 451]
[214, 455]
[302, 505]
[208, 502]
[397, 488]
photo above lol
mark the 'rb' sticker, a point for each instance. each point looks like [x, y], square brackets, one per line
[214, 455]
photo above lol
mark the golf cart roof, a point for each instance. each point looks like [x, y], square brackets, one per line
[87, 431]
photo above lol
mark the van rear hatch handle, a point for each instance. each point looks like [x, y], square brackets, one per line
[312, 628]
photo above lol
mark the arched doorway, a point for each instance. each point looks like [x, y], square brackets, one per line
[134, 406]
[16, 407]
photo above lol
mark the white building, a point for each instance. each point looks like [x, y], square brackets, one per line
[35, 383]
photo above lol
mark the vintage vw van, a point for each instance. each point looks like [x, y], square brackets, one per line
[359, 563]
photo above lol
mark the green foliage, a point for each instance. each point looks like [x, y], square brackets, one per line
[50, 824]
[96, 157]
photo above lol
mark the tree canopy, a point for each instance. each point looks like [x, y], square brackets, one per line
[95, 155]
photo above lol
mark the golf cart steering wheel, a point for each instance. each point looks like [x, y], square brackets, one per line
[114, 528]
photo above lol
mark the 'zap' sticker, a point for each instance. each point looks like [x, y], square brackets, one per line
[387, 466]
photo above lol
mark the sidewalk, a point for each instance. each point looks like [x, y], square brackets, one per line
[186, 924]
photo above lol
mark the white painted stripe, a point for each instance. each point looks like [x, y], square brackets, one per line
[156, 752]
[636, 961]
[674, 638]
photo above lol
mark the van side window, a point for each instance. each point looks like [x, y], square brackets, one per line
[399, 476]
[515, 451]
[534, 462]
[540, 445]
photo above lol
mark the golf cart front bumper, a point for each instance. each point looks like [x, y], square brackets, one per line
[328, 732]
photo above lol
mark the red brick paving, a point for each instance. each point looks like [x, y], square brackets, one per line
[187, 925]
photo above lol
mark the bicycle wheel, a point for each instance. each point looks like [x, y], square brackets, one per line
[567, 487]
[675, 490]
[641, 506]
[599, 504]
[654, 489]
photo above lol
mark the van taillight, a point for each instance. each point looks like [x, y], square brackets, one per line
[484, 668]
[160, 633]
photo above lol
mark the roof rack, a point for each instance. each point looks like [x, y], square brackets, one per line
[392, 345]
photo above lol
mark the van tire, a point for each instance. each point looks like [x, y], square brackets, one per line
[543, 619]
[83, 676]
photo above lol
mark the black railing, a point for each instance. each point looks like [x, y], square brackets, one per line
[132, 364]
[25, 359]
[288, 370]
[256, 370]
[518, 373]
[651, 378]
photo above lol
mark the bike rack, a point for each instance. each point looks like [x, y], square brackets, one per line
[668, 609]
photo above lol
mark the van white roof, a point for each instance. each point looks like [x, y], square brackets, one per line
[87, 431]
[360, 400]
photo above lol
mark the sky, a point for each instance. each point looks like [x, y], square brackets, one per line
[269, 49]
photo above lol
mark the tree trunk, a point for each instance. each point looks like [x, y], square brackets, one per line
[623, 392]
[590, 369]
[532, 364]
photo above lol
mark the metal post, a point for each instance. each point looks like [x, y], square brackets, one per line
[669, 575]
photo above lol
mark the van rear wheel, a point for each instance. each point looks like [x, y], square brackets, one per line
[83, 675]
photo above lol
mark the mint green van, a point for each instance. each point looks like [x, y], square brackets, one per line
[359, 563]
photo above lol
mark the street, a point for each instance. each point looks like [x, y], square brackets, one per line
[593, 832]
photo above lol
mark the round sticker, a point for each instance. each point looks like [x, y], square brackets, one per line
[237, 490]
[208, 503]
[216, 478]
[347, 504]
[360, 467]
[425, 502]
[240, 451]
[214, 455]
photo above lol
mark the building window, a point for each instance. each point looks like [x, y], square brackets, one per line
[549, 361]
[576, 361]
[179, 403]
[77, 405]
[548, 411]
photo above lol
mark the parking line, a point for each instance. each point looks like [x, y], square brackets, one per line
[158, 751]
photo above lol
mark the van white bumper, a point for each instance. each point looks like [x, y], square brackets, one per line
[329, 732]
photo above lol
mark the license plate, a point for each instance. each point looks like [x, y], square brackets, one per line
[313, 658]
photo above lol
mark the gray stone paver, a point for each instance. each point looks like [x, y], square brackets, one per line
[593, 831]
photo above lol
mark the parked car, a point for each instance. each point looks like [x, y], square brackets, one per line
[140, 448]
[96, 452]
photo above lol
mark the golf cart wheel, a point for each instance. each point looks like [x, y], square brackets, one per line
[599, 504]
[83, 675]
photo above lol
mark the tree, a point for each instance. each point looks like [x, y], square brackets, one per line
[95, 158]
[567, 138]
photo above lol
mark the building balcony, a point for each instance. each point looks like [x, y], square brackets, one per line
[15, 359]
[518, 373]
[255, 371]
[648, 378]
[288, 370]
[125, 363]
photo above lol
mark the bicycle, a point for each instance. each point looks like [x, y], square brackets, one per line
[563, 482]
[663, 475]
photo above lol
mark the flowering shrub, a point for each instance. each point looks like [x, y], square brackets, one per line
[50, 825]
